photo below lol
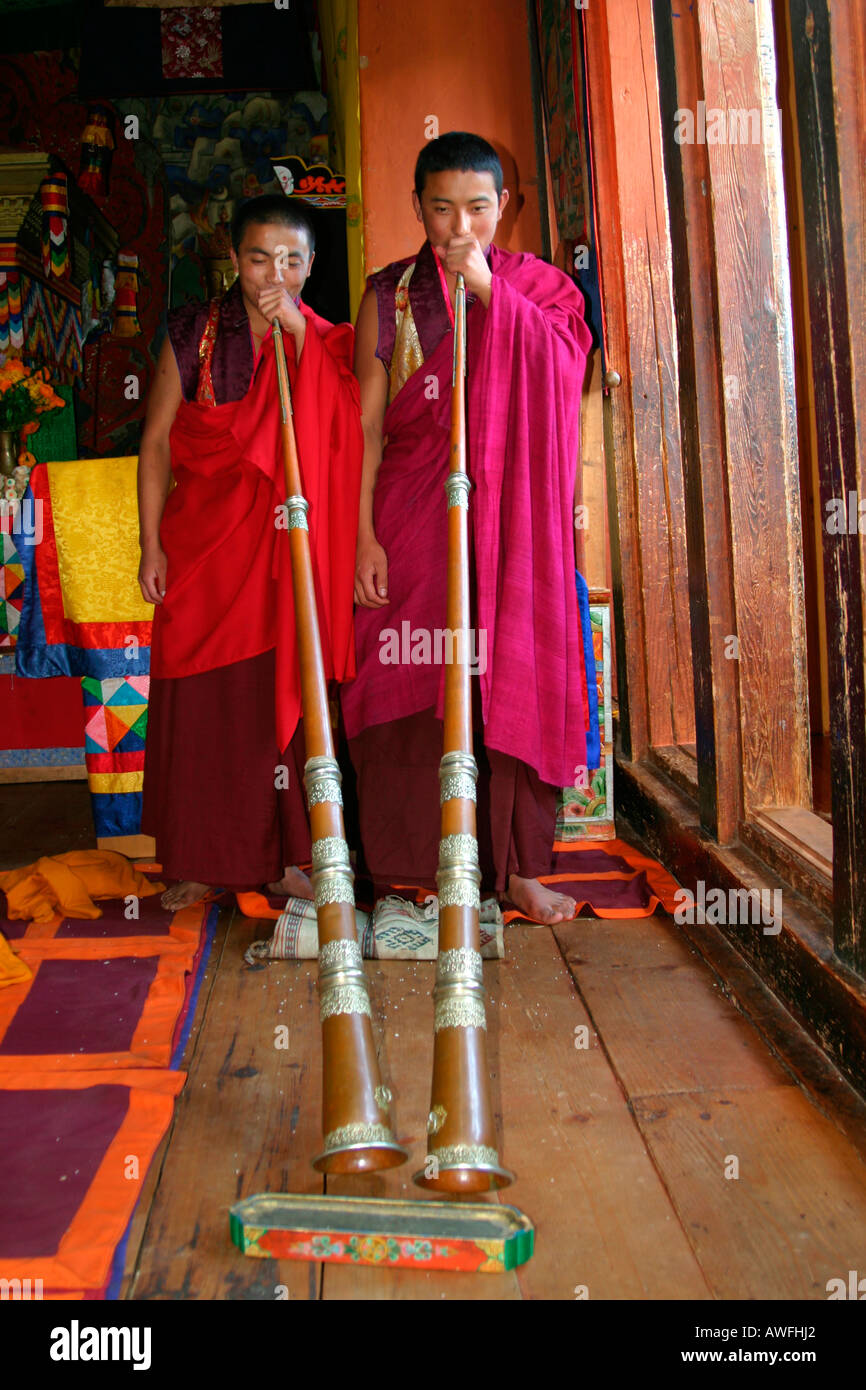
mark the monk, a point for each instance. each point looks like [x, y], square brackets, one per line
[526, 352]
[223, 781]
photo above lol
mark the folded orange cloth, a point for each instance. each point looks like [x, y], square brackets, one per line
[66, 885]
[12, 970]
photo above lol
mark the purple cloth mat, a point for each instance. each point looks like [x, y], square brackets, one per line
[153, 920]
[608, 893]
[590, 861]
[46, 1178]
[81, 1006]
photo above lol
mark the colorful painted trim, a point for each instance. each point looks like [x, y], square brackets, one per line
[392, 1252]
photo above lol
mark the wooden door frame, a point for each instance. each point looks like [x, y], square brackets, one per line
[740, 477]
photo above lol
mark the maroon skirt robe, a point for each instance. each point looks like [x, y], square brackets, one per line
[225, 807]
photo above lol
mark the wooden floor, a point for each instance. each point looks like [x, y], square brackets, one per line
[625, 1151]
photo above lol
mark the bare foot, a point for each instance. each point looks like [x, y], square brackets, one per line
[183, 894]
[540, 903]
[293, 884]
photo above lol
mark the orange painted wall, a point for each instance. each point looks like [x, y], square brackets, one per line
[466, 62]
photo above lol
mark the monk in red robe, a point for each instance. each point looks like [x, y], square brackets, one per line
[526, 353]
[223, 782]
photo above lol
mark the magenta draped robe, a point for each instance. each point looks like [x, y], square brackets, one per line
[525, 363]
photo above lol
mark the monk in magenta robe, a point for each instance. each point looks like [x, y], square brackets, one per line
[527, 345]
[223, 782]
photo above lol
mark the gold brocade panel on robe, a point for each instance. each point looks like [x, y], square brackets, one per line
[407, 356]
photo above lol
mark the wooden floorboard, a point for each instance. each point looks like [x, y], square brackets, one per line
[604, 1223]
[796, 1215]
[661, 1012]
[769, 1193]
[141, 1215]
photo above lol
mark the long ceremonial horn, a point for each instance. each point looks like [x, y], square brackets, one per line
[355, 1104]
[461, 1151]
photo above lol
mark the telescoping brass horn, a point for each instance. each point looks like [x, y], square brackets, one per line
[355, 1105]
[461, 1151]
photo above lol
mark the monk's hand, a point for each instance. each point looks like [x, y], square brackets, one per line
[371, 574]
[275, 302]
[463, 256]
[151, 573]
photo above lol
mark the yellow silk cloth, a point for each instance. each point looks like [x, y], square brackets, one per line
[12, 970]
[95, 510]
[67, 884]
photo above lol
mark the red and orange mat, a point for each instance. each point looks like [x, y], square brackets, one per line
[606, 878]
[89, 1047]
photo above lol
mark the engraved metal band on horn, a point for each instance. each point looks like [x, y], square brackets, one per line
[344, 999]
[332, 871]
[323, 789]
[333, 886]
[459, 1011]
[322, 778]
[458, 785]
[458, 773]
[330, 852]
[474, 1155]
[458, 487]
[458, 892]
[297, 508]
[342, 983]
[347, 1135]
[461, 962]
[454, 849]
[340, 955]
[458, 876]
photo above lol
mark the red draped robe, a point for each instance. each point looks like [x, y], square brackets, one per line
[229, 603]
[525, 365]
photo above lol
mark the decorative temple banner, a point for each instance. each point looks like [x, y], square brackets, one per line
[11, 313]
[55, 221]
[97, 144]
[83, 615]
[42, 326]
[115, 725]
[585, 809]
[560, 70]
[126, 324]
[11, 591]
[191, 43]
[566, 117]
[317, 184]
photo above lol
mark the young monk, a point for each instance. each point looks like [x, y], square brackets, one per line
[526, 354]
[223, 782]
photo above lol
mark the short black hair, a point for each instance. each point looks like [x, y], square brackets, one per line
[458, 150]
[273, 208]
